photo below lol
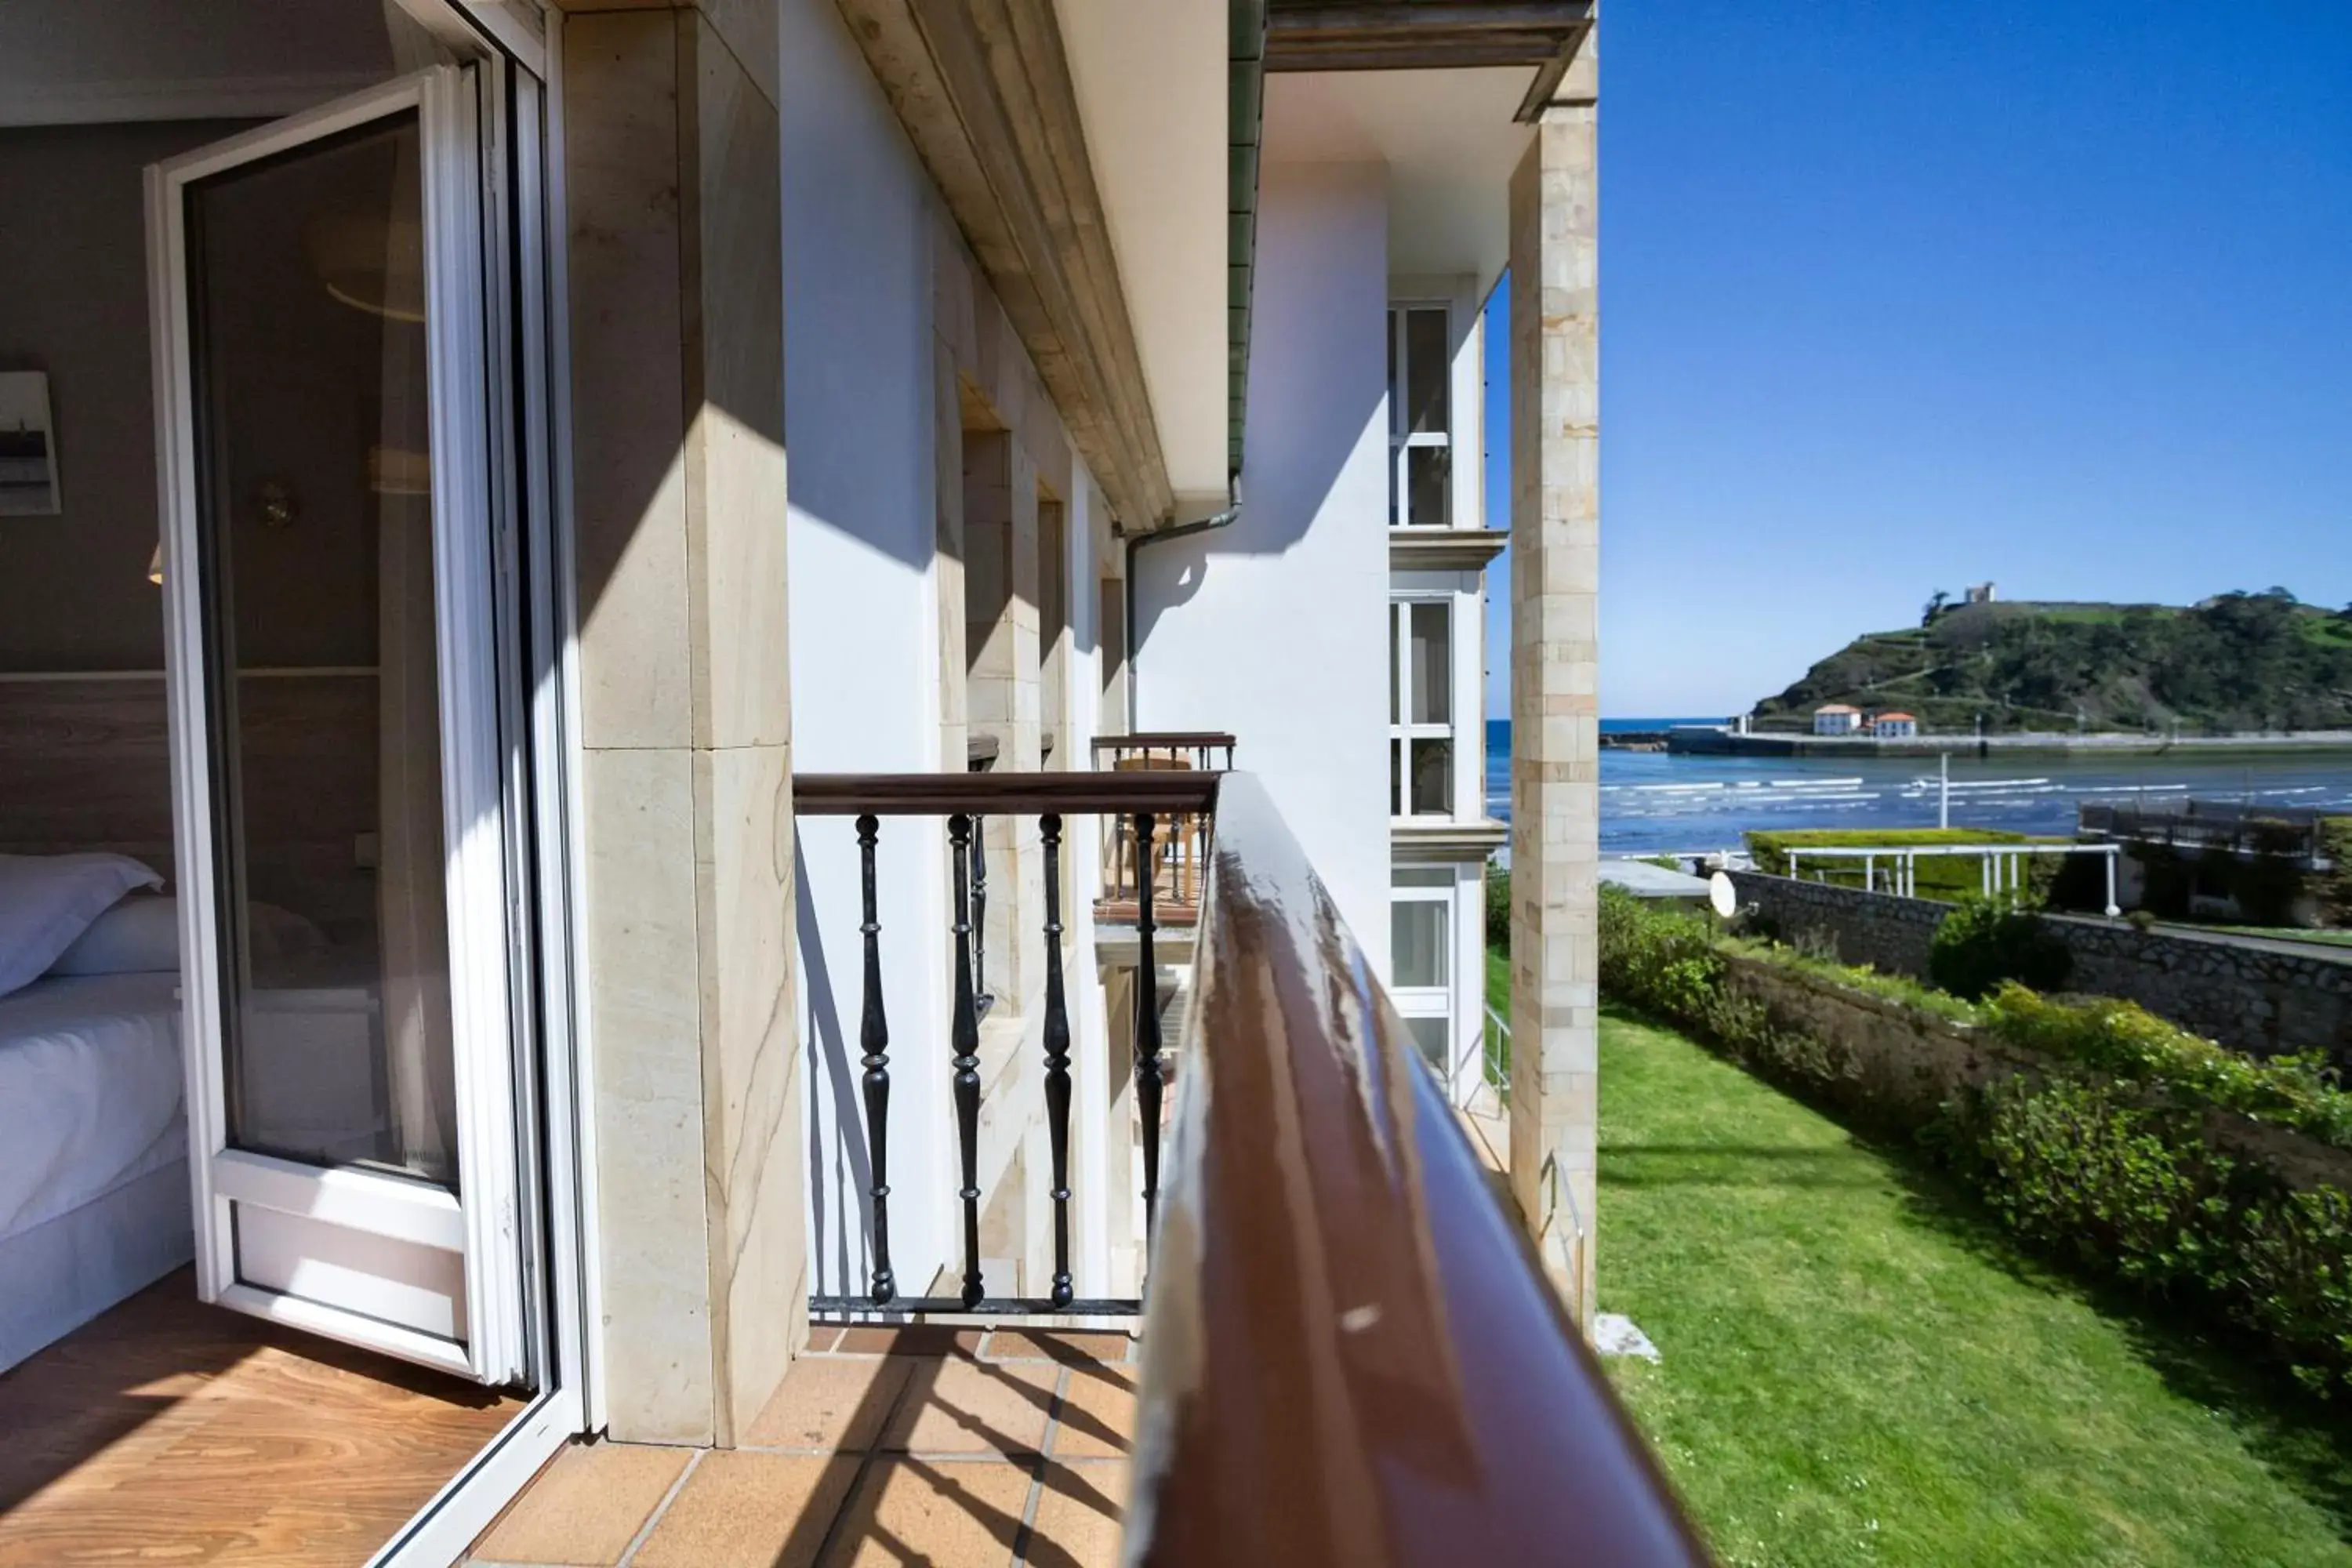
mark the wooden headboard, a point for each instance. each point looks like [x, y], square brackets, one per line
[86, 764]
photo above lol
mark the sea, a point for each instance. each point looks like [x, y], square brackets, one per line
[1652, 803]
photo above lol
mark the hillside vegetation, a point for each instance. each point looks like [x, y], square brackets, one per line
[2238, 662]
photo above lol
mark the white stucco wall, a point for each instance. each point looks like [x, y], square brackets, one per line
[858, 366]
[1276, 627]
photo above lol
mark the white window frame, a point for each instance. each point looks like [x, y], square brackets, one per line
[1402, 442]
[1402, 731]
[1432, 1001]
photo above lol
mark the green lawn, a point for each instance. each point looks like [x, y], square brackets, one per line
[1856, 1370]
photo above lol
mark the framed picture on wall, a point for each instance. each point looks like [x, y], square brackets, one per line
[28, 451]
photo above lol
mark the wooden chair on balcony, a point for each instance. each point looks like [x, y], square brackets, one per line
[1179, 852]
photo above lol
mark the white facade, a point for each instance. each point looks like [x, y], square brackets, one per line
[1274, 629]
[1352, 676]
[1893, 727]
[1837, 718]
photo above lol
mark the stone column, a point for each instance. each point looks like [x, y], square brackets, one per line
[674, 263]
[1555, 693]
[1004, 695]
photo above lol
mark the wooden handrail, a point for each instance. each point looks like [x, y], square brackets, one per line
[1351, 1354]
[994, 793]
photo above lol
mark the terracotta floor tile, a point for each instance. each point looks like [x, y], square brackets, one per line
[973, 1407]
[586, 1507]
[1097, 1419]
[954, 1513]
[750, 1510]
[915, 1339]
[830, 1402]
[1069, 1346]
[823, 1337]
[1080, 1511]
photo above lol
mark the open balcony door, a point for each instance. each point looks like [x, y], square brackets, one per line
[328, 456]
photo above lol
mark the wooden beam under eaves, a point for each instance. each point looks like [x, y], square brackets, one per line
[983, 89]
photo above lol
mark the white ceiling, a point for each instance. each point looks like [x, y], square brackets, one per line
[1447, 138]
[1150, 80]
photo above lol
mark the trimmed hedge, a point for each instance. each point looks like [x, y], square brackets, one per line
[2103, 1162]
[2124, 1040]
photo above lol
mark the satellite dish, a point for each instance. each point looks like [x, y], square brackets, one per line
[1723, 895]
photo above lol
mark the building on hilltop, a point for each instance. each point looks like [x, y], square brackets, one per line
[1983, 594]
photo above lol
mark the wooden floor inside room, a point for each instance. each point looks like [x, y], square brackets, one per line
[168, 1431]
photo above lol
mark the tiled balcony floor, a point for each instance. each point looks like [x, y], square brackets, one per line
[929, 1444]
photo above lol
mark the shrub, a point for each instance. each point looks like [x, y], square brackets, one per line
[2335, 884]
[2125, 1191]
[2123, 1040]
[1986, 941]
[1498, 909]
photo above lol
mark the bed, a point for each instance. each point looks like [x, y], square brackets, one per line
[94, 1185]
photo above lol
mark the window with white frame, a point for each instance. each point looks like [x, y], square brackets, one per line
[1421, 418]
[1421, 707]
[1421, 957]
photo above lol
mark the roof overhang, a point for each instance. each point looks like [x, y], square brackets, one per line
[1432, 35]
[1447, 139]
[1152, 98]
[985, 92]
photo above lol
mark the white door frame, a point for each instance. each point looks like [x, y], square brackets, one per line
[523, 174]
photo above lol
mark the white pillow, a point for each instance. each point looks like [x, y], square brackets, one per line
[47, 901]
[142, 936]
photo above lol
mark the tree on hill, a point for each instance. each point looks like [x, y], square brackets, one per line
[2238, 662]
[1935, 607]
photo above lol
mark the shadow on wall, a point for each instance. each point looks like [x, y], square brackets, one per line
[1317, 374]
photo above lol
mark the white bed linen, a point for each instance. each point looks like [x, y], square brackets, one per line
[91, 1091]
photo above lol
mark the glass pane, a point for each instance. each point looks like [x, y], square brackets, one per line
[1421, 876]
[1431, 663]
[1396, 779]
[1419, 932]
[1433, 1036]
[1426, 372]
[1396, 703]
[1429, 472]
[1432, 778]
[307, 324]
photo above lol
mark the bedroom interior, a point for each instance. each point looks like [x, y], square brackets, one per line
[265, 1037]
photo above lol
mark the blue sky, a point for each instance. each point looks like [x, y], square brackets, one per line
[1898, 295]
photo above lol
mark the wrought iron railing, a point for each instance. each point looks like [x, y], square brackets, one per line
[1139, 803]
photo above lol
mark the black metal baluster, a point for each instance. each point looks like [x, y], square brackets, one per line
[980, 908]
[874, 1034]
[1057, 1058]
[967, 1056]
[1147, 1026]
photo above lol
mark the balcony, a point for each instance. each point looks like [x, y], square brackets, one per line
[1346, 1348]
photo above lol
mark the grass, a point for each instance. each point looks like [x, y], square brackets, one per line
[2284, 934]
[1858, 1369]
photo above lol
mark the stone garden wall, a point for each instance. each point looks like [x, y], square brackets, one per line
[2255, 995]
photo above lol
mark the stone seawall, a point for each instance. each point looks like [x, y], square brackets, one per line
[2256, 995]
